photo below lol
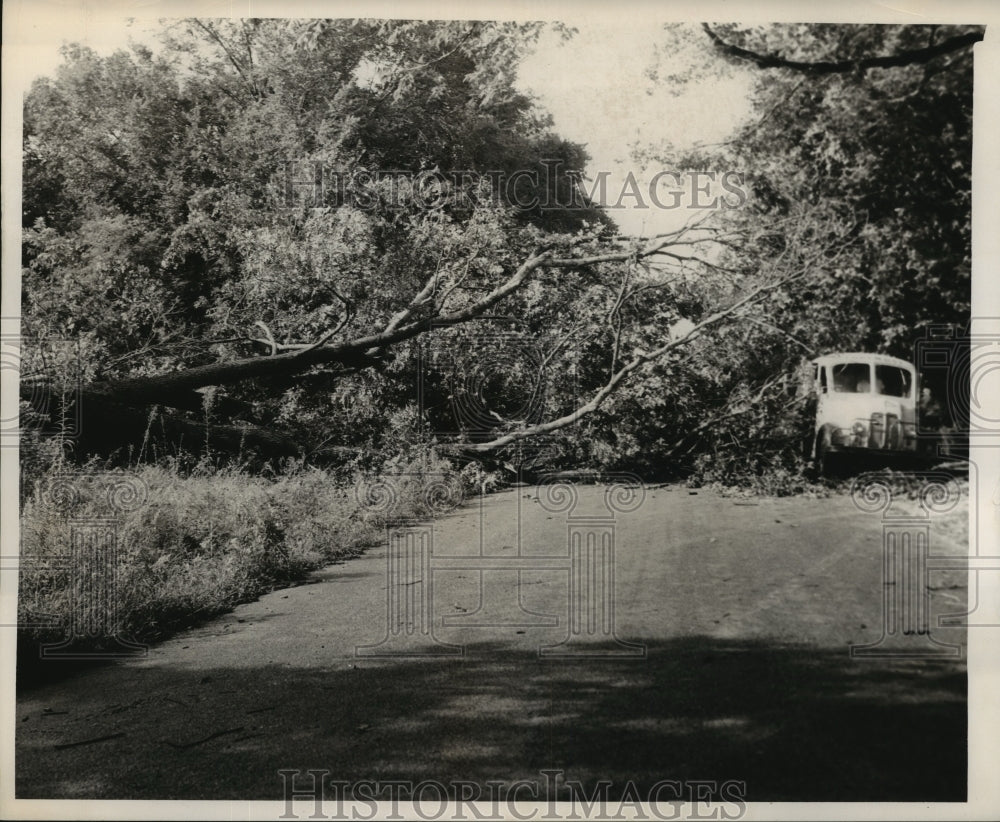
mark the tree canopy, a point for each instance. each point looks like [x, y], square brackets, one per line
[876, 122]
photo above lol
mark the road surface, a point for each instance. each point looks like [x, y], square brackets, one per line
[723, 654]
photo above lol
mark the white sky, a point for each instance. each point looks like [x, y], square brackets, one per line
[595, 88]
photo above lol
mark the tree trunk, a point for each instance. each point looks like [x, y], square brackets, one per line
[98, 424]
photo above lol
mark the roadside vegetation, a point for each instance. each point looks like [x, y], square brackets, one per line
[196, 537]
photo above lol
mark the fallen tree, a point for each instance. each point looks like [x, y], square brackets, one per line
[119, 410]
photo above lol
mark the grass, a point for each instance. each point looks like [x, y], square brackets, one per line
[194, 544]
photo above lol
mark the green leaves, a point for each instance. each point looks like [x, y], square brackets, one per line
[158, 220]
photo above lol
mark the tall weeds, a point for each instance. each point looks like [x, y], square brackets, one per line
[205, 539]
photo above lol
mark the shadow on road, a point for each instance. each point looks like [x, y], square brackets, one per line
[793, 723]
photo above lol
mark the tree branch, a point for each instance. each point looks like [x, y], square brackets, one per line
[360, 352]
[211, 32]
[639, 358]
[904, 58]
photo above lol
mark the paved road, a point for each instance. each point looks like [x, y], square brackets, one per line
[730, 661]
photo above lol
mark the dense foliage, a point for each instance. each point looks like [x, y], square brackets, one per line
[882, 151]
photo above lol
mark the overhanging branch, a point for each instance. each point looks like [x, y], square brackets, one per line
[368, 350]
[903, 58]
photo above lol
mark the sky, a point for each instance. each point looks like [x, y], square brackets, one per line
[595, 87]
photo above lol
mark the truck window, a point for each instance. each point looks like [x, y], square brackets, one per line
[852, 378]
[892, 381]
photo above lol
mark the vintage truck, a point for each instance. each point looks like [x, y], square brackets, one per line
[866, 405]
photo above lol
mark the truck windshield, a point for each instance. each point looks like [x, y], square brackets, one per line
[892, 381]
[852, 378]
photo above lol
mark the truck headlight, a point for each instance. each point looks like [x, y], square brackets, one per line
[859, 434]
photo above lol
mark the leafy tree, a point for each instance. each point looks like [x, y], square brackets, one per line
[865, 130]
[277, 227]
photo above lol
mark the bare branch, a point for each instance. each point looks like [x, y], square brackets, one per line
[328, 335]
[360, 352]
[422, 298]
[639, 358]
[268, 336]
[782, 331]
